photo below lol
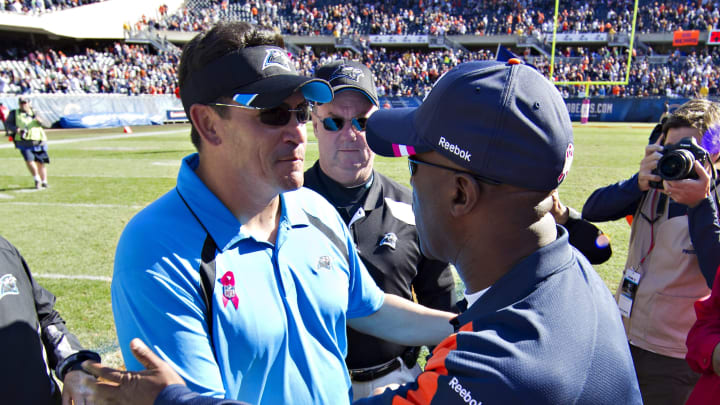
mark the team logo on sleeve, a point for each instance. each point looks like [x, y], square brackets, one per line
[348, 72]
[8, 285]
[277, 58]
[389, 240]
[228, 283]
[324, 263]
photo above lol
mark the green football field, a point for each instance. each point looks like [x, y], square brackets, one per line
[100, 178]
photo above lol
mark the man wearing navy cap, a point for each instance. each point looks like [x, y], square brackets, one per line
[242, 280]
[486, 149]
[378, 213]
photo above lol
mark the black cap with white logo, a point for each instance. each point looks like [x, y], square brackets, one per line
[347, 74]
[257, 76]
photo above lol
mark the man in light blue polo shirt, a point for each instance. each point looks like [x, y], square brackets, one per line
[240, 279]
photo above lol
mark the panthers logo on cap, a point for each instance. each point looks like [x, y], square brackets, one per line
[348, 72]
[277, 58]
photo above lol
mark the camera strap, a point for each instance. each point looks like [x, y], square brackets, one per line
[659, 208]
[659, 211]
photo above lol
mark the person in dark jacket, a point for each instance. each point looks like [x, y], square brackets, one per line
[378, 212]
[36, 340]
[672, 254]
[485, 150]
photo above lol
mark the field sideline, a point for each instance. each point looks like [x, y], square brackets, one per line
[100, 178]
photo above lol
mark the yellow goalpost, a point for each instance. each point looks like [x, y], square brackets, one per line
[589, 83]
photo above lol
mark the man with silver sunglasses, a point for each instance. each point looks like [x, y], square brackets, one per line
[242, 280]
[378, 213]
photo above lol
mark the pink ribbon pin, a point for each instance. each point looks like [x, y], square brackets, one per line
[228, 283]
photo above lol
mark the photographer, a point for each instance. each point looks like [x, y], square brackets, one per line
[673, 251]
[31, 140]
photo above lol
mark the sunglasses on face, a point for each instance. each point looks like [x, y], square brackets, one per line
[277, 116]
[335, 123]
[413, 166]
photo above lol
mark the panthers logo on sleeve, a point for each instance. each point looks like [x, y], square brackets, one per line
[8, 285]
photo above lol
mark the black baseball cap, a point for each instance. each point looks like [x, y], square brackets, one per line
[349, 75]
[501, 120]
[257, 76]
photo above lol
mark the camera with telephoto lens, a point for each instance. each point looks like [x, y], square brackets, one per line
[678, 160]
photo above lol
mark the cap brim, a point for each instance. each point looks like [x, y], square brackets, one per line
[272, 91]
[338, 89]
[392, 133]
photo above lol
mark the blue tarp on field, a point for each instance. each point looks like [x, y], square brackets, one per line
[107, 120]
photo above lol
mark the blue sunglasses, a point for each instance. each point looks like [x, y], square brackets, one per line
[335, 123]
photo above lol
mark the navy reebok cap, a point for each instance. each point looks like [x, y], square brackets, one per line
[501, 120]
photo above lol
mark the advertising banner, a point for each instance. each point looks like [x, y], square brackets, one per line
[398, 39]
[713, 37]
[579, 37]
[622, 109]
[686, 38]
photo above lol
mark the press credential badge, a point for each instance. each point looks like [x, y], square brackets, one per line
[630, 283]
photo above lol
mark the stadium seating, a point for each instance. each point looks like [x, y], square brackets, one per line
[138, 69]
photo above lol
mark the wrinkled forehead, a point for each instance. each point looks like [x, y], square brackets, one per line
[349, 103]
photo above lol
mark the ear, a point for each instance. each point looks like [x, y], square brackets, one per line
[314, 121]
[467, 195]
[204, 120]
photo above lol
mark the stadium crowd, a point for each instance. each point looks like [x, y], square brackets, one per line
[441, 17]
[131, 69]
[134, 69]
[120, 68]
[405, 17]
[41, 6]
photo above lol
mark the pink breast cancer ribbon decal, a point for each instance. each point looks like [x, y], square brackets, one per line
[228, 283]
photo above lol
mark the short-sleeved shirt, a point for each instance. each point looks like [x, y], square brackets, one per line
[279, 310]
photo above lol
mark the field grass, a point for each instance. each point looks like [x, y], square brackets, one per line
[99, 179]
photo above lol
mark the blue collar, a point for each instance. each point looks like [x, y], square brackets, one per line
[222, 225]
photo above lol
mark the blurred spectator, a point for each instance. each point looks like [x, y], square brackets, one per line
[41, 6]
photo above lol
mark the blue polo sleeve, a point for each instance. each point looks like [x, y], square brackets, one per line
[364, 296]
[155, 297]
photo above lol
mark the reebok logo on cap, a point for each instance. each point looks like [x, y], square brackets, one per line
[463, 154]
[348, 72]
[277, 58]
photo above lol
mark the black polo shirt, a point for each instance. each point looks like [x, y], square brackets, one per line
[382, 224]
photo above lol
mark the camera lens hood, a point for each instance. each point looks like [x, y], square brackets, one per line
[676, 164]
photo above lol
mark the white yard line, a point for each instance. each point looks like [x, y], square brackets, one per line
[102, 137]
[72, 277]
